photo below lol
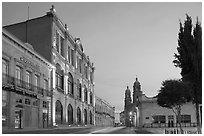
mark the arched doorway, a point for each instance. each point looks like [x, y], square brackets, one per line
[70, 114]
[78, 116]
[85, 117]
[58, 112]
[90, 117]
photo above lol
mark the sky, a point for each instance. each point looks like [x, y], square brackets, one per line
[123, 40]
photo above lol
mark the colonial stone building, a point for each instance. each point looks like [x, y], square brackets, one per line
[72, 78]
[145, 112]
[104, 113]
[26, 96]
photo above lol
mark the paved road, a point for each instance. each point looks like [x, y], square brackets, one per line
[84, 130]
[121, 130]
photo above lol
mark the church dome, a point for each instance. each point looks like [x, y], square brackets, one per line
[127, 91]
[136, 86]
[136, 82]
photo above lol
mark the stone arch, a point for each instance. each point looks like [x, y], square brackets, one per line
[70, 114]
[90, 118]
[78, 116]
[85, 117]
[58, 112]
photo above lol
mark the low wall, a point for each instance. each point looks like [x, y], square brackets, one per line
[176, 130]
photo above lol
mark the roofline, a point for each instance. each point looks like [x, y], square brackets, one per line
[15, 39]
[24, 21]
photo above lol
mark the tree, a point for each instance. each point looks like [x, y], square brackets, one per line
[189, 59]
[172, 95]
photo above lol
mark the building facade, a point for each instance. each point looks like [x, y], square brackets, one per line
[26, 96]
[72, 81]
[104, 113]
[146, 113]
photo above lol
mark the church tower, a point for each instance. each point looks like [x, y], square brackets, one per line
[137, 93]
[128, 99]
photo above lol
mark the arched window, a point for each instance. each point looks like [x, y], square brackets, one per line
[70, 84]
[85, 94]
[91, 98]
[78, 89]
[59, 77]
[58, 112]
[78, 116]
[70, 114]
[90, 117]
[85, 117]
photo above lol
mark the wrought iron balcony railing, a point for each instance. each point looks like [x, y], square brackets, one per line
[8, 80]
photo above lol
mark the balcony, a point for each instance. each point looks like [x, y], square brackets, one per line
[20, 84]
[7, 80]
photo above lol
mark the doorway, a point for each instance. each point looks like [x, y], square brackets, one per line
[170, 121]
[18, 119]
[45, 121]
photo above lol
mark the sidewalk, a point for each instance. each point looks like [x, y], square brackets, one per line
[142, 131]
[95, 128]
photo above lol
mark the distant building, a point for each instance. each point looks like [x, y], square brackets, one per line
[26, 93]
[147, 113]
[122, 117]
[117, 118]
[72, 81]
[104, 113]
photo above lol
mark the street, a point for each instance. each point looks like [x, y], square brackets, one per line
[83, 130]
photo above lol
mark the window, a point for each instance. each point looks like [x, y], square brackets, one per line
[4, 66]
[159, 119]
[80, 66]
[86, 71]
[91, 77]
[19, 77]
[85, 95]
[45, 86]
[62, 46]
[185, 119]
[19, 99]
[28, 80]
[70, 84]
[59, 77]
[79, 89]
[91, 97]
[37, 81]
[59, 81]
[77, 63]
[69, 54]
[27, 101]
[5, 71]
[57, 41]
[44, 104]
[72, 57]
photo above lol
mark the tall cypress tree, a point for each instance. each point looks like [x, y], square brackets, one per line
[189, 59]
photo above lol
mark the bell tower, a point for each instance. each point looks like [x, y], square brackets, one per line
[137, 93]
[127, 99]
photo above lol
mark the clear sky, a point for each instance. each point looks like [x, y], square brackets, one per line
[122, 39]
